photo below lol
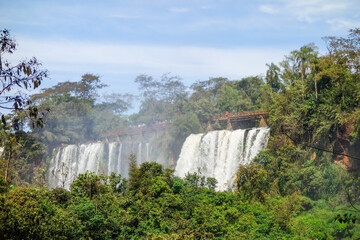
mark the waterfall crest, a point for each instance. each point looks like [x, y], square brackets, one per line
[219, 153]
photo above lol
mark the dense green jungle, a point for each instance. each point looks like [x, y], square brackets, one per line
[304, 185]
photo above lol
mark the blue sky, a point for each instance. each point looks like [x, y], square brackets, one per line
[194, 39]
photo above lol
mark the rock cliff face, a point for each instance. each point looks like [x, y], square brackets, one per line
[347, 153]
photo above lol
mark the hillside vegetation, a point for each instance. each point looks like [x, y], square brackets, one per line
[304, 185]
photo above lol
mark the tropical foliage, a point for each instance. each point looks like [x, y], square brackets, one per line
[304, 185]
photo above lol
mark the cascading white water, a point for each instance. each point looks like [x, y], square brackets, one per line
[219, 153]
[69, 161]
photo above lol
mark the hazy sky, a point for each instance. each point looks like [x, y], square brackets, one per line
[194, 39]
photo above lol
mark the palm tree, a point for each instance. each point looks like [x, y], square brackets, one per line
[272, 76]
[304, 60]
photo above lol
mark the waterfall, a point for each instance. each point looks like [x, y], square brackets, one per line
[100, 157]
[219, 153]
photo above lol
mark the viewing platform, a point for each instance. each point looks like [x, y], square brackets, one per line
[243, 116]
[239, 117]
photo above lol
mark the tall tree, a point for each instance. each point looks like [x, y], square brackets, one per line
[133, 172]
[86, 88]
[74, 114]
[24, 75]
[273, 76]
[304, 59]
[165, 89]
[158, 97]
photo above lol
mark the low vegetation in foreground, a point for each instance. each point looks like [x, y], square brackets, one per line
[153, 204]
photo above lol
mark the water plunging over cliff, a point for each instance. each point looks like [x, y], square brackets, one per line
[100, 157]
[219, 153]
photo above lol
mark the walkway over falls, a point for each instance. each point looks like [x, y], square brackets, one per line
[238, 117]
[243, 116]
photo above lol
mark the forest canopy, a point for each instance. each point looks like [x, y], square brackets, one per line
[304, 185]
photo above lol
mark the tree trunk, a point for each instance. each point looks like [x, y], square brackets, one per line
[302, 72]
[7, 170]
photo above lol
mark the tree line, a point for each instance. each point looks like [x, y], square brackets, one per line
[305, 184]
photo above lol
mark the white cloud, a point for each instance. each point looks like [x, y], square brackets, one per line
[191, 63]
[309, 10]
[179, 10]
[341, 24]
[125, 16]
[268, 9]
[207, 7]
